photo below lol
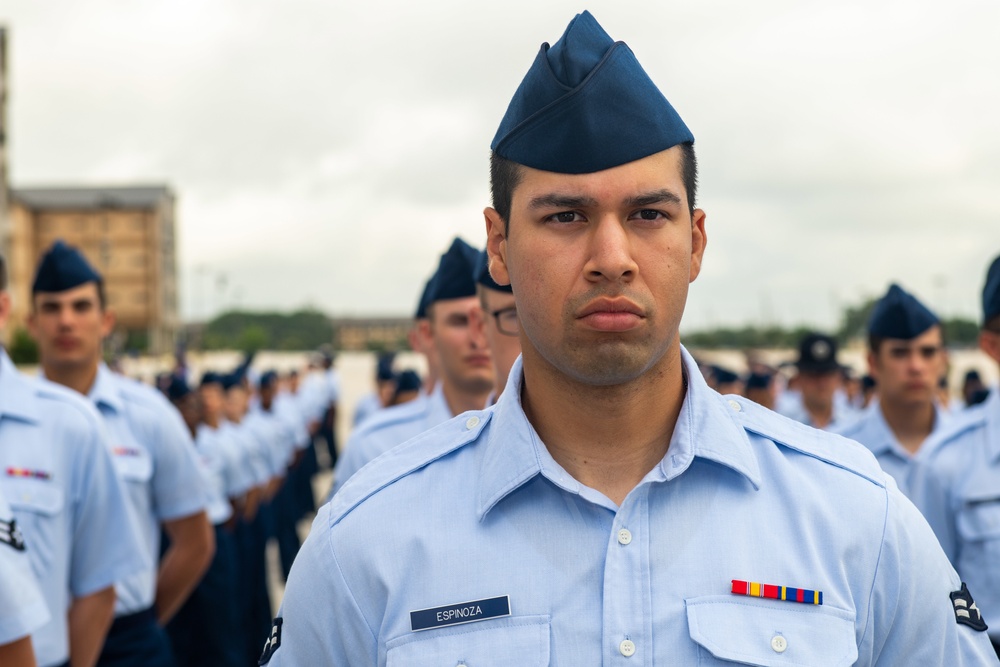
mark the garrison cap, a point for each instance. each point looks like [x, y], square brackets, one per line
[455, 277]
[724, 375]
[586, 105]
[63, 267]
[424, 299]
[408, 380]
[483, 276]
[991, 292]
[210, 377]
[178, 388]
[267, 379]
[900, 315]
[383, 369]
[759, 380]
[817, 354]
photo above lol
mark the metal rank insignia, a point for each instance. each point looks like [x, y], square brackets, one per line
[787, 593]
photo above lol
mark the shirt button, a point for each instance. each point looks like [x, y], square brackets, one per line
[627, 648]
[472, 422]
[735, 406]
[779, 643]
[624, 537]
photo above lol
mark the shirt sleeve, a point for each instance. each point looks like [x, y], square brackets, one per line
[912, 618]
[179, 488]
[321, 623]
[105, 544]
[22, 607]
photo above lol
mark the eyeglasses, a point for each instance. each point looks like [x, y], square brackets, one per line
[506, 319]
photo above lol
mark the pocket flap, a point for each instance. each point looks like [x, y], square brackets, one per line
[36, 496]
[979, 519]
[515, 641]
[772, 632]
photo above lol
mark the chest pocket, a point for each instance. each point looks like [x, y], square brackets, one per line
[134, 466]
[37, 507]
[978, 523]
[771, 633]
[519, 641]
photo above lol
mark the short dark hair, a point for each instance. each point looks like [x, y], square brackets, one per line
[992, 324]
[3, 273]
[875, 342]
[505, 176]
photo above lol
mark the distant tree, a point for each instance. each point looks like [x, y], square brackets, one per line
[252, 339]
[23, 348]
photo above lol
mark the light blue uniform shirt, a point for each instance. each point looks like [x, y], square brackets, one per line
[214, 465]
[58, 477]
[477, 509]
[872, 431]
[272, 437]
[843, 415]
[155, 457]
[366, 406]
[22, 607]
[252, 448]
[387, 428]
[958, 490]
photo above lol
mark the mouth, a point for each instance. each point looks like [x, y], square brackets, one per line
[479, 360]
[611, 314]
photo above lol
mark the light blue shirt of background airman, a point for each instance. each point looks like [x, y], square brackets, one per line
[154, 455]
[75, 518]
[22, 607]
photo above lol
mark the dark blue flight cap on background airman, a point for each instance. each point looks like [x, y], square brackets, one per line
[484, 278]
[900, 315]
[267, 379]
[63, 267]
[383, 368]
[178, 388]
[759, 381]
[586, 105]
[991, 292]
[425, 299]
[408, 380]
[455, 277]
[210, 377]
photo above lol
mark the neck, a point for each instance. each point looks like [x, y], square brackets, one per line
[462, 401]
[606, 437]
[211, 420]
[78, 377]
[821, 414]
[911, 423]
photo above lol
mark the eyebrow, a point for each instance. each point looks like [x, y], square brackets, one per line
[569, 201]
[654, 197]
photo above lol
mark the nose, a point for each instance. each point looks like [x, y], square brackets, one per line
[610, 253]
[477, 329]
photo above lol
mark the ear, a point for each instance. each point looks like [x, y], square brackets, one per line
[496, 246]
[108, 323]
[4, 308]
[699, 240]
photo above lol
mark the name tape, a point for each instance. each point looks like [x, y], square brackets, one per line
[463, 612]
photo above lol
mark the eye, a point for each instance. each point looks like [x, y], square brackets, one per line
[564, 217]
[649, 215]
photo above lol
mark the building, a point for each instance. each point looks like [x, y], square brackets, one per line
[127, 233]
[371, 333]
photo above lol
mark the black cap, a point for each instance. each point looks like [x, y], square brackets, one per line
[817, 354]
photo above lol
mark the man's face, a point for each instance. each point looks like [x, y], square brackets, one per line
[601, 265]
[236, 403]
[818, 388]
[70, 325]
[906, 372]
[212, 399]
[500, 316]
[455, 327]
[191, 409]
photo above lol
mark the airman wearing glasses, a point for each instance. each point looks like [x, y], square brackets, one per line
[501, 326]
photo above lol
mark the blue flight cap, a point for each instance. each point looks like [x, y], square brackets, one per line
[267, 379]
[210, 377]
[383, 368]
[408, 380]
[586, 105]
[455, 277]
[759, 381]
[178, 388]
[231, 380]
[484, 278]
[63, 267]
[724, 375]
[900, 315]
[425, 299]
[991, 292]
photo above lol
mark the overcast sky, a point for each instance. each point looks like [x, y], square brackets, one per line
[324, 153]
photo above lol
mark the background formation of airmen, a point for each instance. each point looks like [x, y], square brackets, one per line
[134, 522]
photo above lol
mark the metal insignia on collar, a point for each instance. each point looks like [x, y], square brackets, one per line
[966, 611]
[821, 349]
[10, 534]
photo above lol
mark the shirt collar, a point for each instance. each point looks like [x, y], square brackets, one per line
[438, 411]
[17, 394]
[105, 392]
[705, 428]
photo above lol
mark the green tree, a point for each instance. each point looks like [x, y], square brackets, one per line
[23, 348]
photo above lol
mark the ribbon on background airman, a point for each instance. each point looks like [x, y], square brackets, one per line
[24, 472]
[757, 590]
